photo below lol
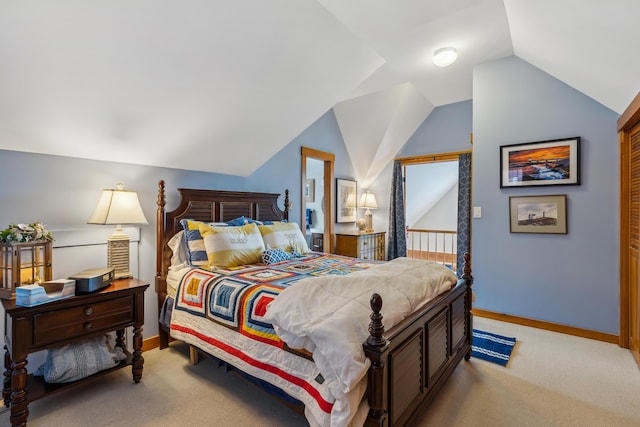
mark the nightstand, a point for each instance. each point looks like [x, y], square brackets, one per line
[369, 246]
[31, 329]
[317, 242]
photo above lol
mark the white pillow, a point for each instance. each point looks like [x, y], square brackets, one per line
[284, 235]
[179, 249]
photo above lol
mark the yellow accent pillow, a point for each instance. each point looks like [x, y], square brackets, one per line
[232, 246]
[284, 235]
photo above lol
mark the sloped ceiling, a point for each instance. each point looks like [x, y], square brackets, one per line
[198, 84]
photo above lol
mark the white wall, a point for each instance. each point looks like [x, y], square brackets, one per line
[442, 216]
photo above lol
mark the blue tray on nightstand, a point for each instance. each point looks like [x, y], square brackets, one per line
[53, 290]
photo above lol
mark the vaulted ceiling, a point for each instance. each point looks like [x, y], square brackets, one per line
[198, 84]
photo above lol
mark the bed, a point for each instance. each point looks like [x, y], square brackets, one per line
[406, 364]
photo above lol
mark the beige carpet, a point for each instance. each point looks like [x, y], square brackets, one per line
[551, 380]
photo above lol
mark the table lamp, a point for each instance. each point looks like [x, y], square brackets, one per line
[117, 207]
[368, 202]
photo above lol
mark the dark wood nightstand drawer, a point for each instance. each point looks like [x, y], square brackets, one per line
[59, 325]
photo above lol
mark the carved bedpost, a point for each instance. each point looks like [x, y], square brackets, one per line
[466, 268]
[159, 228]
[376, 349]
[287, 204]
[468, 281]
[376, 327]
[161, 283]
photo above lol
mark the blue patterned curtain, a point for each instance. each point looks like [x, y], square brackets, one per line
[464, 208]
[397, 231]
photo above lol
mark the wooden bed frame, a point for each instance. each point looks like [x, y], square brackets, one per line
[409, 363]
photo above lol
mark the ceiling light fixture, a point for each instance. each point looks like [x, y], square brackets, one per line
[445, 56]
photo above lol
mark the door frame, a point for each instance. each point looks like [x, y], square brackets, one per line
[626, 123]
[424, 159]
[329, 160]
[453, 156]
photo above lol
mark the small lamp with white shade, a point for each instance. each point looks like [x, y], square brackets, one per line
[368, 202]
[116, 207]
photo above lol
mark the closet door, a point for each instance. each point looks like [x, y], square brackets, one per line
[629, 133]
[634, 243]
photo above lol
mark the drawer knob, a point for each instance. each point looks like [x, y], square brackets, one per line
[88, 311]
[88, 326]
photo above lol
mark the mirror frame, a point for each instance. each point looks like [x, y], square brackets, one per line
[329, 212]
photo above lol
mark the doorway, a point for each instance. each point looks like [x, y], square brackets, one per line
[437, 194]
[431, 211]
[317, 179]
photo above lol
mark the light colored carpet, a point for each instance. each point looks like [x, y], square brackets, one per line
[551, 380]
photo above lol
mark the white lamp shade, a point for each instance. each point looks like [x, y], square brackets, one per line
[118, 207]
[368, 201]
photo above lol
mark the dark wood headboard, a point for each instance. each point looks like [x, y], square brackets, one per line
[209, 206]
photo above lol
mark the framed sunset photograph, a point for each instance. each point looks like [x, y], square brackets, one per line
[553, 162]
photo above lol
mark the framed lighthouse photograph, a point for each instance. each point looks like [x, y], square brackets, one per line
[538, 214]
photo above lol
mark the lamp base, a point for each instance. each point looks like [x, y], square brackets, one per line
[368, 222]
[118, 255]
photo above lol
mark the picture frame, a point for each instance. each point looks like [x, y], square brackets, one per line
[538, 214]
[346, 208]
[310, 190]
[551, 162]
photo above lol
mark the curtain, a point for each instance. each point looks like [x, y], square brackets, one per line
[397, 230]
[464, 209]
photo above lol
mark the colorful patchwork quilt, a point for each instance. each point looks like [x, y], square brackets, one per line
[222, 312]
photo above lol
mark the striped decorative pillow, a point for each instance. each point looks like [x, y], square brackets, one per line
[232, 246]
[196, 253]
[284, 235]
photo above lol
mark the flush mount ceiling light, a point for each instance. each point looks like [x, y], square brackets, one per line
[445, 56]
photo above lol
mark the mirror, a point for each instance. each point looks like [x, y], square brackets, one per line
[314, 200]
[317, 199]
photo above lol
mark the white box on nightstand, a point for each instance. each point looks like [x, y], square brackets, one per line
[52, 290]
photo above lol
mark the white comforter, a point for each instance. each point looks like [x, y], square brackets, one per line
[329, 315]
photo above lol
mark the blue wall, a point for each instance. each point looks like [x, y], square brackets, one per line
[62, 192]
[283, 170]
[445, 130]
[566, 279]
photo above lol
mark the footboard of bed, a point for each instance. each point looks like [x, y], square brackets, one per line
[413, 360]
